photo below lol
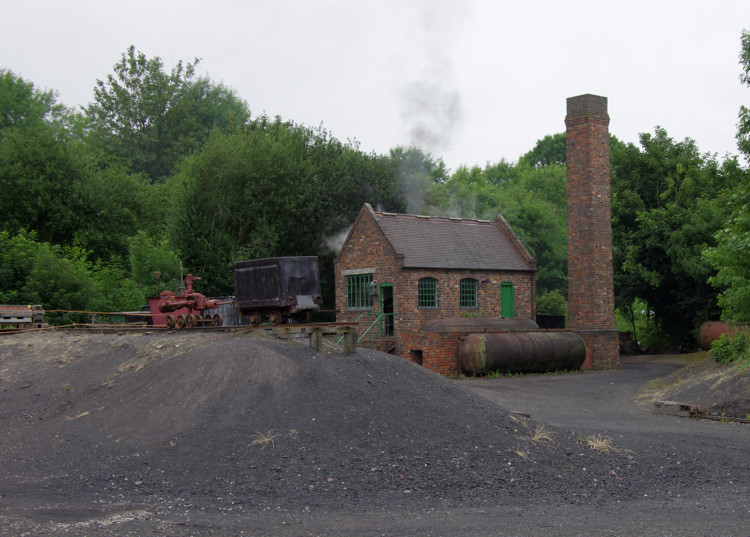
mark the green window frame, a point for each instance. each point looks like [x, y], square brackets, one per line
[468, 293]
[358, 296]
[427, 293]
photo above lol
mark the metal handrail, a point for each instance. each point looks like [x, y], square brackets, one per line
[369, 328]
[356, 321]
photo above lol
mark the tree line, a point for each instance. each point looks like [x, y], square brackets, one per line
[167, 169]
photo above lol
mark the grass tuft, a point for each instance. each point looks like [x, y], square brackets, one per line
[525, 455]
[541, 436]
[602, 444]
[263, 440]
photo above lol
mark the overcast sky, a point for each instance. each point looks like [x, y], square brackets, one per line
[471, 81]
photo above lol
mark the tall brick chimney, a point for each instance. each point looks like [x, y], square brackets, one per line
[591, 305]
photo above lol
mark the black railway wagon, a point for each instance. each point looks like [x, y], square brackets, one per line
[277, 289]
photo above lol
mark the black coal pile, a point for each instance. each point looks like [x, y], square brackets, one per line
[244, 419]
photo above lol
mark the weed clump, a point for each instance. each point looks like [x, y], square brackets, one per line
[732, 349]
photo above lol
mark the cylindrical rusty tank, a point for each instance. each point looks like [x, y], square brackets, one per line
[477, 324]
[709, 332]
[521, 352]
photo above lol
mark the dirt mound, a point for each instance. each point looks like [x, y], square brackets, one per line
[720, 390]
[251, 420]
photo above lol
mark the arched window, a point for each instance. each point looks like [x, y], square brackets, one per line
[468, 293]
[427, 293]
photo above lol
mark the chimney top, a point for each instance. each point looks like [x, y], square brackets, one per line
[587, 106]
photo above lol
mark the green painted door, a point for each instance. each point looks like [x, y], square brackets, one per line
[506, 300]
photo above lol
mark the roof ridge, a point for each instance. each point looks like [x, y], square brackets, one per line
[434, 217]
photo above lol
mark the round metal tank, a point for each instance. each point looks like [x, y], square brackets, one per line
[522, 352]
[709, 332]
[477, 324]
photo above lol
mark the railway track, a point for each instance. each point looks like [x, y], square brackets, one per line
[345, 332]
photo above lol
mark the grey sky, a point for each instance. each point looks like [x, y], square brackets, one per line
[472, 81]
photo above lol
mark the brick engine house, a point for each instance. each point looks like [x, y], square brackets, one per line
[451, 293]
[396, 272]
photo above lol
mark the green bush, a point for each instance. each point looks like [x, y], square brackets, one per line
[551, 303]
[735, 348]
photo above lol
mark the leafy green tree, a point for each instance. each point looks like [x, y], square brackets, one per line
[60, 278]
[149, 119]
[148, 255]
[731, 259]
[743, 127]
[273, 188]
[23, 105]
[39, 273]
[665, 213]
[40, 176]
[551, 303]
[114, 205]
[113, 290]
[731, 254]
[551, 149]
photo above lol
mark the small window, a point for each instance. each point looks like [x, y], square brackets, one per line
[468, 293]
[427, 293]
[358, 291]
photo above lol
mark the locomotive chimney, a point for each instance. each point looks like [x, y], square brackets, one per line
[591, 308]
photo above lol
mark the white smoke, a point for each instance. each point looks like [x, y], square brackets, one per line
[333, 243]
[430, 100]
[431, 107]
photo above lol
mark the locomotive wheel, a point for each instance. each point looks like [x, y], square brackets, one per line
[218, 321]
[256, 318]
[169, 321]
[180, 321]
[190, 321]
[275, 317]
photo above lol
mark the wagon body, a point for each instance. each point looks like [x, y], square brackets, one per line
[278, 288]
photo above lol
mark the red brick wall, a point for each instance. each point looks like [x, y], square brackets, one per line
[411, 316]
[439, 351]
[368, 248]
[602, 350]
[590, 289]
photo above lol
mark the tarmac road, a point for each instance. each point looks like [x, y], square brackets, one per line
[604, 402]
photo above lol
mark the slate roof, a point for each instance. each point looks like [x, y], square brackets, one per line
[454, 243]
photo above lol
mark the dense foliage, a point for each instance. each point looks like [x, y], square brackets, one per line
[731, 254]
[166, 170]
[148, 120]
[666, 209]
[732, 349]
[271, 188]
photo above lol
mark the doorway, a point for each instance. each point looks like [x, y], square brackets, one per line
[387, 317]
[506, 300]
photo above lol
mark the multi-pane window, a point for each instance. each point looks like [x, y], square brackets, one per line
[358, 291]
[427, 293]
[468, 293]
